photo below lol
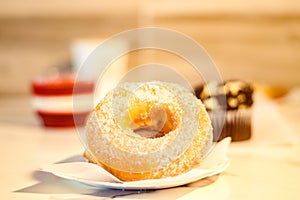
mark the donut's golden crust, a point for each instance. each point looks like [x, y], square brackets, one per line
[102, 117]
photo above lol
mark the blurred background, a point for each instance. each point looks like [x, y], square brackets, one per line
[252, 40]
[256, 40]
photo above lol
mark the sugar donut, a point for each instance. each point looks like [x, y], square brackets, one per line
[147, 131]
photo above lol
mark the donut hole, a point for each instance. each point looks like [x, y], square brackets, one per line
[152, 120]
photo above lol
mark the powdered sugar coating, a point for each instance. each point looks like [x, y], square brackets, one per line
[132, 157]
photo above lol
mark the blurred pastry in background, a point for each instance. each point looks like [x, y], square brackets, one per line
[235, 97]
[272, 91]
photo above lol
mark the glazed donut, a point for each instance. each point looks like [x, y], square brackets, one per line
[148, 130]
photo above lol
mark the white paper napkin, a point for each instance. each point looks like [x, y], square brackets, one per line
[96, 176]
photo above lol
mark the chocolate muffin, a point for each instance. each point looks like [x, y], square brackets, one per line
[235, 98]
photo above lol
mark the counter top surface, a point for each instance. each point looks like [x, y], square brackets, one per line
[265, 167]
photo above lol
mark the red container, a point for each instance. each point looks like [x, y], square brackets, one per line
[53, 99]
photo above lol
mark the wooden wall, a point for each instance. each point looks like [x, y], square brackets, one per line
[36, 35]
[253, 40]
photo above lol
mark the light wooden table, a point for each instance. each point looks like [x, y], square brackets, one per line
[266, 167]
